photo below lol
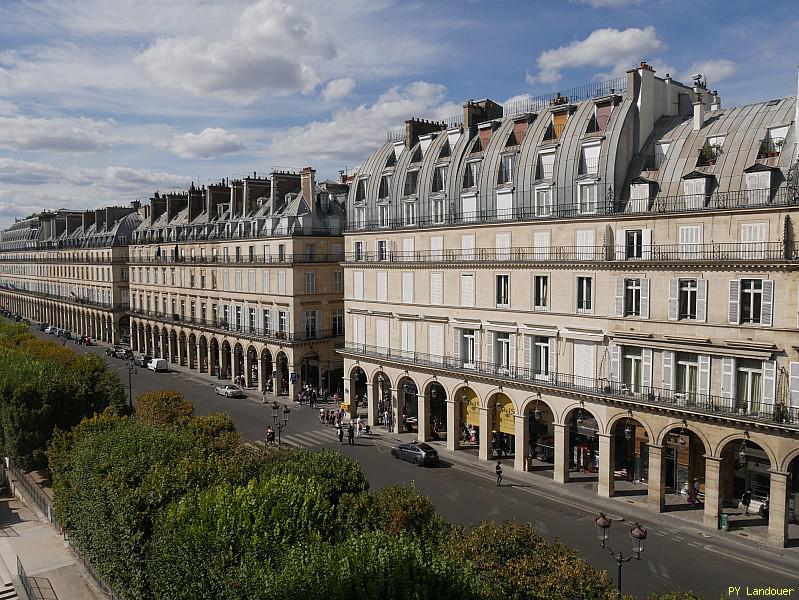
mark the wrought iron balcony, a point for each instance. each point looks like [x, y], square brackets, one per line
[77, 300]
[98, 260]
[272, 259]
[694, 402]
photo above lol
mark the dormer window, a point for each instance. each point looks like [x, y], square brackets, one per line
[385, 187]
[589, 159]
[477, 146]
[600, 118]
[546, 165]
[695, 190]
[471, 174]
[758, 185]
[360, 191]
[773, 142]
[710, 151]
[557, 126]
[661, 150]
[417, 155]
[439, 178]
[506, 167]
[446, 151]
[409, 213]
[392, 159]
[411, 183]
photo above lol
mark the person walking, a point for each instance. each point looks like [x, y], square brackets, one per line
[746, 500]
[340, 434]
[322, 416]
[351, 435]
[263, 397]
[499, 473]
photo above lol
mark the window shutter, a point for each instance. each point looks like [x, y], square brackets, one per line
[620, 239]
[382, 286]
[512, 350]
[467, 290]
[646, 376]
[645, 298]
[467, 246]
[734, 299]
[769, 381]
[381, 334]
[357, 277]
[701, 300]
[490, 348]
[503, 246]
[318, 323]
[552, 354]
[435, 348]
[407, 249]
[303, 323]
[437, 247]
[674, 292]
[436, 288]
[728, 378]
[646, 243]
[477, 352]
[704, 374]
[620, 297]
[793, 394]
[767, 305]
[456, 345]
[407, 287]
[668, 370]
[528, 357]
[363, 327]
[615, 363]
[541, 244]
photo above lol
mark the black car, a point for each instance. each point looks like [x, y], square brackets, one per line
[42, 326]
[142, 360]
[419, 453]
[112, 351]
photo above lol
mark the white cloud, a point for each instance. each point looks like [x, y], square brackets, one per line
[352, 134]
[56, 135]
[273, 49]
[338, 89]
[714, 70]
[7, 107]
[209, 143]
[602, 48]
[608, 3]
[23, 172]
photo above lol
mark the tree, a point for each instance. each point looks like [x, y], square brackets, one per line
[162, 407]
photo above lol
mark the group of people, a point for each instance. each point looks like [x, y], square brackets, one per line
[469, 434]
[309, 395]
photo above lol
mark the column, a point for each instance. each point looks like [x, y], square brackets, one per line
[485, 433]
[294, 390]
[522, 435]
[605, 489]
[657, 479]
[712, 491]
[453, 432]
[561, 441]
[423, 410]
[778, 509]
[181, 353]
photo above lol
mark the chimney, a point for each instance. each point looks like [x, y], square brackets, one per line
[254, 188]
[135, 205]
[236, 198]
[715, 101]
[88, 220]
[196, 203]
[174, 204]
[217, 194]
[99, 218]
[157, 208]
[416, 127]
[73, 223]
[282, 183]
[60, 224]
[699, 111]
[477, 112]
[308, 183]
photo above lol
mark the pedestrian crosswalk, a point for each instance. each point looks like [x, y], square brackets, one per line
[7, 592]
[312, 439]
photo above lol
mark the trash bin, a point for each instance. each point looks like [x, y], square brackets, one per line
[724, 520]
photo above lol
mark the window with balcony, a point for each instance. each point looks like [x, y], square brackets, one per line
[587, 198]
[470, 174]
[758, 187]
[411, 183]
[437, 205]
[540, 292]
[632, 368]
[695, 190]
[266, 315]
[506, 169]
[589, 159]
[384, 190]
[281, 281]
[585, 294]
[283, 321]
[543, 202]
[311, 323]
[310, 282]
[238, 318]
[686, 382]
[502, 351]
[633, 243]
[632, 297]
[359, 222]
[468, 348]
[639, 197]
[540, 357]
[689, 240]
[502, 289]
[251, 324]
[546, 165]
[265, 281]
[409, 213]
[439, 178]
[748, 385]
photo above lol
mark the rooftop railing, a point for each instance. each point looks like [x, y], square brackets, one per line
[61, 259]
[272, 259]
[689, 401]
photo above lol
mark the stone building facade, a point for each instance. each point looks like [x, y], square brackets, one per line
[603, 281]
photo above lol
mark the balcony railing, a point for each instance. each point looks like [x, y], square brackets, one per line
[59, 260]
[69, 300]
[657, 253]
[525, 208]
[186, 234]
[273, 259]
[656, 397]
[241, 330]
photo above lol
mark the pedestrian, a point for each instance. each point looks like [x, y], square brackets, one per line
[746, 500]
[322, 416]
[340, 434]
[270, 436]
[696, 490]
[351, 435]
[499, 473]
[263, 397]
[359, 427]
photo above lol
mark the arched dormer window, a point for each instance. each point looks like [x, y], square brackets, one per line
[392, 159]
[360, 191]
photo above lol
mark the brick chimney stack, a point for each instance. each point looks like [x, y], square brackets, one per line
[308, 185]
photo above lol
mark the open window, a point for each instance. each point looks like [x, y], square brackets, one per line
[772, 144]
[710, 151]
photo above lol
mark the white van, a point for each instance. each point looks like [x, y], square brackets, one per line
[159, 365]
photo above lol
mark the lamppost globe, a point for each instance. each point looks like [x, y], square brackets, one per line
[628, 432]
[638, 535]
[602, 524]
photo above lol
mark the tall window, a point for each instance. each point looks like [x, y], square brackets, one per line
[409, 213]
[687, 306]
[470, 174]
[382, 215]
[438, 210]
[632, 368]
[382, 250]
[546, 165]
[358, 250]
[588, 201]
[543, 202]
[632, 297]
[584, 294]
[502, 351]
[540, 355]
[439, 178]
[338, 321]
[411, 183]
[503, 291]
[310, 282]
[283, 321]
[540, 291]
[360, 217]
[385, 187]
[506, 168]
[687, 375]
[751, 300]
[467, 289]
[633, 243]
[748, 385]
[266, 315]
[238, 318]
[468, 348]
[311, 326]
[251, 319]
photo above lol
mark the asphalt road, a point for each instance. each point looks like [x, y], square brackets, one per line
[677, 555]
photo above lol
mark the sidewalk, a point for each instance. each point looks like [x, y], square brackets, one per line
[50, 565]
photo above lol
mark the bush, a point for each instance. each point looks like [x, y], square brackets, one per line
[163, 407]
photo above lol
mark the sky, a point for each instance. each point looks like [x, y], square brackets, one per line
[106, 101]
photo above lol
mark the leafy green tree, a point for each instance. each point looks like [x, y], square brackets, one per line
[162, 407]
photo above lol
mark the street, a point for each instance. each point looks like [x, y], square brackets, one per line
[677, 555]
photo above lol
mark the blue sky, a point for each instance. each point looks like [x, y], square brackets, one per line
[105, 101]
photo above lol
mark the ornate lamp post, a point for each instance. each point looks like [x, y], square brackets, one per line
[131, 367]
[280, 417]
[637, 537]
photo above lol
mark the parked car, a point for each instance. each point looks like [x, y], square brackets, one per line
[43, 326]
[84, 340]
[67, 335]
[159, 365]
[112, 351]
[124, 353]
[50, 329]
[142, 360]
[229, 391]
[419, 453]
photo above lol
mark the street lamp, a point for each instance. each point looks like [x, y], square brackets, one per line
[280, 417]
[536, 410]
[637, 537]
[131, 367]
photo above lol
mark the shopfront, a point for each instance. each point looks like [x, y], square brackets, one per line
[503, 442]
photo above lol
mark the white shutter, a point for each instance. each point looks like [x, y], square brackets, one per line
[303, 322]
[490, 347]
[528, 356]
[583, 360]
[769, 381]
[382, 286]
[615, 363]
[619, 300]
[437, 247]
[435, 341]
[704, 374]
[408, 329]
[467, 289]
[767, 303]
[467, 246]
[620, 240]
[407, 287]
[477, 351]
[793, 393]
[281, 282]
[552, 354]
[266, 281]
[318, 323]
[457, 335]
[437, 288]
[728, 378]
[645, 298]
[541, 244]
[357, 284]
[381, 334]
[646, 243]
[668, 370]
[701, 300]
[585, 241]
[646, 376]
[734, 300]
[407, 249]
[674, 293]
[512, 350]
[503, 246]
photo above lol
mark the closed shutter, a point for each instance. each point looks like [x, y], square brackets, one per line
[728, 379]
[457, 335]
[503, 246]
[619, 299]
[357, 284]
[504, 203]
[382, 286]
[436, 288]
[437, 247]
[701, 300]
[318, 323]
[734, 300]
[793, 393]
[674, 291]
[469, 206]
[767, 303]
[381, 335]
[769, 381]
[646, 244]
[583, 361]
[620, 241]
[407, 287]
[281, 282]
[266, 281]
[541, 244]
[512, 350]
[435, 342]
[667, 370]
[477, 351]
[645, 298]
[689, 237]
[467, 290]
[552, 354]
[407, 249]
[467, 247]
[303, 323]
[615, 363]
[646, 376]
[704, 374]
[585, 240]
[408, 338]
[490, 347]
[528, 356]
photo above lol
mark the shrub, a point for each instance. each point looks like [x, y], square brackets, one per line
[163, 407]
